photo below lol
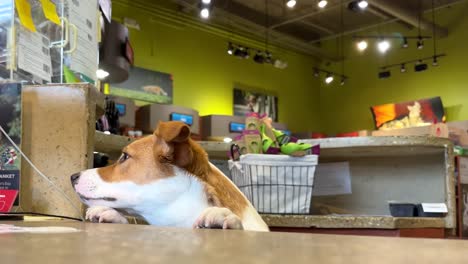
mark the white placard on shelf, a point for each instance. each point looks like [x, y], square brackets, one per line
[332, 179]
[434, 208]
[34, 54]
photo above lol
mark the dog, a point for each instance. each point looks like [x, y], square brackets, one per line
[166, 179]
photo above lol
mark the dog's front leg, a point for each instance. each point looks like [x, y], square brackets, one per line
[218, 217]
[102, 214]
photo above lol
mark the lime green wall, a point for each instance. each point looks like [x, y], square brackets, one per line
[346, 108]
[204, 75]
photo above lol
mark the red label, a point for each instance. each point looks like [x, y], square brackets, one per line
[7, 198]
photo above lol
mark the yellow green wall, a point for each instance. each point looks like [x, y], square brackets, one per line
[204, 75]
[346, 108]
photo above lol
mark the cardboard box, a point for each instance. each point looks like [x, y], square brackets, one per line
[148, 117]
[221, 126]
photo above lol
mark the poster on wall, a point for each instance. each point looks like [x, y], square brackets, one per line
[408, 114]
[10, 120]
[145, 85]
[246, 101]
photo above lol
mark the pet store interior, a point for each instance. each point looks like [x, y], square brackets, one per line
[337, 131]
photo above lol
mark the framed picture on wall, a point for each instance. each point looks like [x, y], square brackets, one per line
[246, 101]
[146, 85]
[408, 114]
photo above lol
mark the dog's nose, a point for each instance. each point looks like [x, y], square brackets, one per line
[74, 178]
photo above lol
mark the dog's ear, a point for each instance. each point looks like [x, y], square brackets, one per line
[173, 131]
[175, 136]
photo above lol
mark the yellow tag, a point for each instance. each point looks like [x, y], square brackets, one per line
[106, 88]
[24, 12]
[50, 12]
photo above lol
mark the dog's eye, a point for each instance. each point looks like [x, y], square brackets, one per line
[124, 157]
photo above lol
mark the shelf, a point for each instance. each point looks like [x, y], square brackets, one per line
[110, 144]
[350, 221]
[409, 168]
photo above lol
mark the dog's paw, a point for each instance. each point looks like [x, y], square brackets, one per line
[102, 214]
[218, 217]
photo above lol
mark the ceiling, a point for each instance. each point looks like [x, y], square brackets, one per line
[305, 26]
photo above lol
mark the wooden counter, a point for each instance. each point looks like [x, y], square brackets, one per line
[109, 243]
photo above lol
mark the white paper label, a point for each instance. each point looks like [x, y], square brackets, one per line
[84, 15]
[434, 207]
[332, 179]
[34, 54]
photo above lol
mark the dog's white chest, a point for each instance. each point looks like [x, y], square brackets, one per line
[176, 201]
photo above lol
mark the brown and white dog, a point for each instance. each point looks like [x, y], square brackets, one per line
[166, 178]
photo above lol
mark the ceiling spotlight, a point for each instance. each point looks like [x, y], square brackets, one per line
[362, 45]
[383, 46]
[291, 3]
[101, 74]
[420, 43]
[268, 57]
[434, 61]
[280, 64]
[405, 43]
[403, 68]
[259, 58]
[384, 74]
[316, 73]
[246, 54]
[322, 3]
[343, 80]
[206, 2]
[230, 49]
[205, 13]
[329, 79]
[363, 4]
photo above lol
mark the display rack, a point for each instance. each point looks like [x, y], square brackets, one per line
[415, 169]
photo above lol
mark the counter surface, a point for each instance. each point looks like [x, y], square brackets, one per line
[109, 243]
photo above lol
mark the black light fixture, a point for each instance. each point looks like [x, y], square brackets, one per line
[434, 61]
[384, 74]
[420, 43]
[259, 58]
[316, 73]
[343, 81]
[330, 76]
[230, 49]
[403, 68]
[405, 43]
[358, 6]
[268, 57]
[420, 67]
[242, 52]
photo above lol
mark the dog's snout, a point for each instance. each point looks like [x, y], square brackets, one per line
[74, 178]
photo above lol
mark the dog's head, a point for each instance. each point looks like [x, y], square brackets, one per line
[144, 172]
